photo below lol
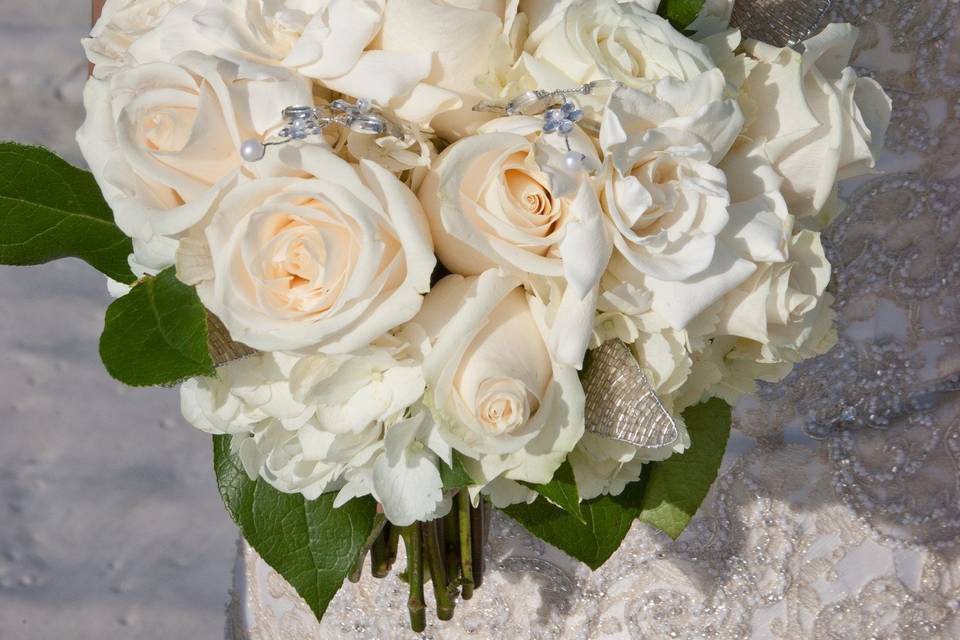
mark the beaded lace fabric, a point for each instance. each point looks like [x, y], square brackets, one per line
[837, 514]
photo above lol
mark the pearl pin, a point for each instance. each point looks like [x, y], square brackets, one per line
[252, 150]
[573, 161]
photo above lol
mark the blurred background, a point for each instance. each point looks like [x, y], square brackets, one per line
[110, 523]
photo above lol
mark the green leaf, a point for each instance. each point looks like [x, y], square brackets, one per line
[156, 334]
[680, 13]
[667, 495]
[677, 485]
[456, 476]
[51, 210]
[606, 521]
[308, 542]
[561, 491]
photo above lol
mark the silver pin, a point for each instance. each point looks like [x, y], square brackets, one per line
[302, 122]
[536, 102]
[560, 114]
[560, 111]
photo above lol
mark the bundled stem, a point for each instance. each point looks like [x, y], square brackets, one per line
[393, 541]
[435, 561]
[379, 524]
[412, 540]
[450, 548]
[478, 534]
[466, 544]
[450, 543]
[380, 561]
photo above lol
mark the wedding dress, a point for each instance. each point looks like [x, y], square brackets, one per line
[837, 512]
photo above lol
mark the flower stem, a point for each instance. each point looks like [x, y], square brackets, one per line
[378, 525]
[379, 554]
[393, 540]
[478, 532]
[357, 571]
[466, 551]
[415, 605]
[431, 545]
[451, 548]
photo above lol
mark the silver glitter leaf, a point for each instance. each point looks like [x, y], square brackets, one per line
[621, 403]
[223, 348]
[781, 23]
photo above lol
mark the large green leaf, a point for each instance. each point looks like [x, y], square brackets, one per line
[562, 491]
[680, 13]
[606, 521]
[156, 334]
[51, 210]
[308, 542]
[677, 486]
[666, 496]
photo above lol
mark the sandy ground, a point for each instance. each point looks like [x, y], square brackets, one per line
[110, 524]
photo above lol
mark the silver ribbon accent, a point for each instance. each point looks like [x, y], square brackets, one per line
[782, 23]
[224, 349]
[621, 403]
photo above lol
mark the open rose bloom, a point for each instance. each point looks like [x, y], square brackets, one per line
[420, 302]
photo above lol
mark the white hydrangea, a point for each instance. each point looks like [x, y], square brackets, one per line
[314, 424]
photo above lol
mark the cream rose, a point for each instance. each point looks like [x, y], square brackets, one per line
[505, 198]
[607, 40]
[497, 393]
[819, 122]
[162, 140]
[329, 260]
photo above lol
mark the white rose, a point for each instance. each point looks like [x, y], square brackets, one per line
[121, 23]
[713, 18]
[162, 140]
[665, 196]
[820, 123]
[505, 199]
[784, 308]
[460, 38]
[497, 393]
[760, 224]
[603, 39]
[417, 57]
[327, 261]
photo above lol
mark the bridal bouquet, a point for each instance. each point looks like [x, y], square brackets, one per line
[413, 259]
